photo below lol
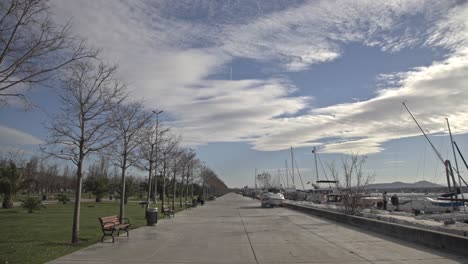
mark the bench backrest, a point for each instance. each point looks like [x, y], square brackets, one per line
[166, 209]
[109, 221]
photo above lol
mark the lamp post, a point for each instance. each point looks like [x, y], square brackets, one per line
[155, 191]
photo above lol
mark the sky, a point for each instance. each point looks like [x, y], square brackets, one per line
[243, 81]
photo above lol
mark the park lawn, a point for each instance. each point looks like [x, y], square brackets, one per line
[45, 234]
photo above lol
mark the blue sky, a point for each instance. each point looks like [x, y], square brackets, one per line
[330, 74]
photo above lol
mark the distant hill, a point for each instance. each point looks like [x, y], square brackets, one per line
[401, 185]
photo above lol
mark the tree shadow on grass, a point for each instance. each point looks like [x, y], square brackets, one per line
[82, 242]
[6, 211]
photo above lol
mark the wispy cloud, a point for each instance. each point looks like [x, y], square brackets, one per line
[14, 137]
[168, 59]
[395, 161]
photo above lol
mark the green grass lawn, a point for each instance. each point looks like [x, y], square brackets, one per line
[45, 235]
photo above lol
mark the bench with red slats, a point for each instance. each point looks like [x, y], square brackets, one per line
[112, 224]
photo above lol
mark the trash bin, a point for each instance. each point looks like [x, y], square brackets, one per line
[44, 197]
[151, 216]
[194, 202]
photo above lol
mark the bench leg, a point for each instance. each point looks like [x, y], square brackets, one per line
[107, 234]
[126, 231]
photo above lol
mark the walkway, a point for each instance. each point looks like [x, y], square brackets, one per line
[234, 229]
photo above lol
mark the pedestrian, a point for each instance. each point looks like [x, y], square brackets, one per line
[384, 197]
[253, 195]
[395, 201]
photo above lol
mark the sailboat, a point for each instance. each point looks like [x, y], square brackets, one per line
[319, 194]
[290, 191]
[445, 202]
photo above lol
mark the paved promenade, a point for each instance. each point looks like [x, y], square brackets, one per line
[234, 229]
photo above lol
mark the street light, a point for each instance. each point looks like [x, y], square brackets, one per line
[155, 191]
[157, 113]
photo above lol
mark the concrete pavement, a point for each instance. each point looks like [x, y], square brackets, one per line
[234, 229]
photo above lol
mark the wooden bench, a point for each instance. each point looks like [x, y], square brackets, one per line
[112, 224]
[167, 211]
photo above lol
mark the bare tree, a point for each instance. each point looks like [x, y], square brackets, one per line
[191, 160]
[30, 172]
[169, 146]
[176, 160]
[352, 182]
[32, 47]
[186, 157]
[212, 184]
[264, 180]
[127, 121]
[194, 175]
[150, 138]
[89, 93]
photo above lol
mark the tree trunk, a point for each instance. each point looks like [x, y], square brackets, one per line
[149, 186]
[164, 181]
[123, 198]
[174, 190]
[7, 201]
[187, 184]
[191, 187]
[155, 186]
[76, 210]
[181, 189]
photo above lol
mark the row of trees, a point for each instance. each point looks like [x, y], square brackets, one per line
[32, 177]
[97, 117]
[38, 177]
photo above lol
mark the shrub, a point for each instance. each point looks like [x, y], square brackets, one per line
[32, 203]
[63, 198]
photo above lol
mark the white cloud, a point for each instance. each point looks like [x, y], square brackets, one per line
[433, 93]
[14, 137]
[168, 60]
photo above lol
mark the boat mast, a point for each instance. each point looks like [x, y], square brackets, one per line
[316, 167]
[455, 157]
[287, 173]
[463, 159]
[292, 165]
[446, 162]
[281, 177]
[428, 140]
